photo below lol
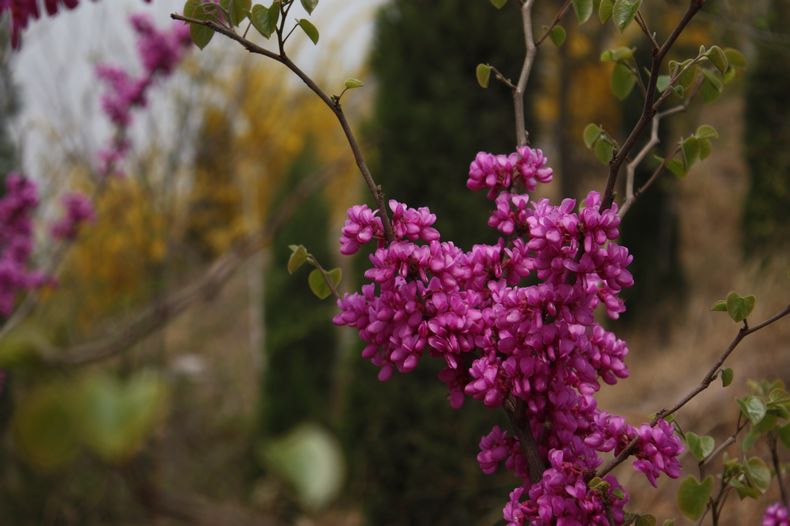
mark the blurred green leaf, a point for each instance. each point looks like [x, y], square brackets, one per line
[310, 460]
[622, 81]
[483, 74]
[352, 83]
[624, 11]
[604, 150]
[583, 10]
[592, 132]
[297, 259]
[700, 446]
[753, 408]
[758, 474]
[309, 5]
[617, 54]
[726, 377]
[558, 35]
[499, 4]
[605, 10]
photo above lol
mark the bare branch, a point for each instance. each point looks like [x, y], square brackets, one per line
[518, 93]
[514, 407]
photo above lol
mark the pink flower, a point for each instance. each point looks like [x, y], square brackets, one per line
[776, 515]
[79, 210]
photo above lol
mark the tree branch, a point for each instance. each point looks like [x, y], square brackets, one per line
[648, 109]
[526, 68]
[330, 102]
[560, 14]
[514, 407]
[704, 384]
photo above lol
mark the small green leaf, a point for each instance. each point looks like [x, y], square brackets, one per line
[726, 377]
[605, 10]
[753, 408]
[748, 441]
[735, 58]
[622, 81]
[689, 147]
[617, 54]
[318, 284]
[693, 496]
[499, 4]
[676, 167]
[700, 446]
[557, 35]
[704, 149]
[483, 74]
[645, 520]
[744, 491]
[604, 151]
[310, 30]
[309, 5]
[237, 9]
[297, 259]
[201, 35]
[720, 306]
[758, 474]
[624, 11]
[662, 82]
[591, 134]
[739, 307]
[265, 19]
[597, 483]
[583, 9]
[706, 131]
[352, 83]
[718, 58]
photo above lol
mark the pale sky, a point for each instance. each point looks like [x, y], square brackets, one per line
[54, 68]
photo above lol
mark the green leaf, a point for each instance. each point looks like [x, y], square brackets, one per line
[592, 132]
[622, 81]
[499, 4]
[264, 19]
[117, 416]
[352, 83]
[310, 30]
[719, 306]
[700, 446]
[237, 9]
[735, 58]
[645, 520]
[711, 86]
[784, 435]
[706, 131]
[704, 149]
[310, 461]
[583, 9]
[605, 10]
[726, 377]
[483, 74]
[309, 5]
[689, 147]
[44, 426]
[739, 307]
[297, 259]
[744, 490]
[604, 150]
[558, 35]
[617, 54]
[318, 283]
[676, 167]
[758, 474]
[662, 82]
[753, 408]
[201, 35]
[597, 483]
[748, 441]
[718, 58]
[624, 11]
[693, 496]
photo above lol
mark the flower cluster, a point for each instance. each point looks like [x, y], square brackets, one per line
[160, 51]
[776, 515]
[16, 240]
[23, 11]
[78, 210]
[537, 347]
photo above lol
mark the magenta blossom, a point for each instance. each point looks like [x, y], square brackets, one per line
[776, 515]
[78, 210]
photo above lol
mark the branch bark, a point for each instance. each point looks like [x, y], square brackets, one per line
[526, 69]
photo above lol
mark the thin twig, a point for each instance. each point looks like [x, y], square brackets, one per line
[648, 109]
[704, 384]
[777, 468]
[330, 102]
[514, 407]
[557, 18]
[526, 68]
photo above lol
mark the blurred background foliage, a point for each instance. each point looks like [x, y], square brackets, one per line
[251, 408]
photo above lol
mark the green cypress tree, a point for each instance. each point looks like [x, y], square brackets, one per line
[300, 341]
[413, 457]
[766, 215]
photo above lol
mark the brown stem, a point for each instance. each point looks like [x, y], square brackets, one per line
[514, 407]
[777, 468]
[526, 68]
[648, 109]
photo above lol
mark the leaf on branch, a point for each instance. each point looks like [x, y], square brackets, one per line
[483, 74]
[605, 10]
[583, 10]
[700, 446]
[591, 134]
[297, 259]
[622, 81]
[237, 10]
[352, 83]
[310, 30]
[758, 474]
[617, 54]
[624, 11]
[499, 4]
[706, 131]
[558, 35]
[752, 408]
[201, 35]
[735, 58]
[604, 150]
[718, 58]
[739, 307]
[320, 286]
[265, 19]
[309, 5]
[693, 496]
[726, 377]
